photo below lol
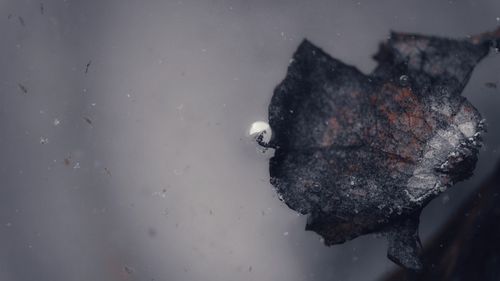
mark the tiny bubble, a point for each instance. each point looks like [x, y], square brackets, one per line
[404, 80]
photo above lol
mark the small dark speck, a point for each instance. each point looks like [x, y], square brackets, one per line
[128, 270]
[87, 66]
[42, 8]
[22, 88]
[151, 232]
[67, 161]
[491, 85]
[88, 120]
[250, 269]
[9, 16]
[21, 21]
[108, 172]
[211, 212]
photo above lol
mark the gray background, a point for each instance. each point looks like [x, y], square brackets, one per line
[164, 184]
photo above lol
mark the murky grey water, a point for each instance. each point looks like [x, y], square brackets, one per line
[140, 169]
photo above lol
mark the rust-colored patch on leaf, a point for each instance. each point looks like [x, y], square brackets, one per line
[332, 130]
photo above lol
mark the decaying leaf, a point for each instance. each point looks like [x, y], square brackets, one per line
[365, 153]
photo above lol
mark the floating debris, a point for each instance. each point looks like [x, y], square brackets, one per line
[56, 122]
[87, 67]
[128, 270]
[42, 8]
[88, 120]
[365, 153]
[108, 172]
[491, 85]
[21, 21]
[162, 193]
[44, 140]
[67, 161]
[22, 88]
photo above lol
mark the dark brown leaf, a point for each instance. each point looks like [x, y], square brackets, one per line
[365, 153]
